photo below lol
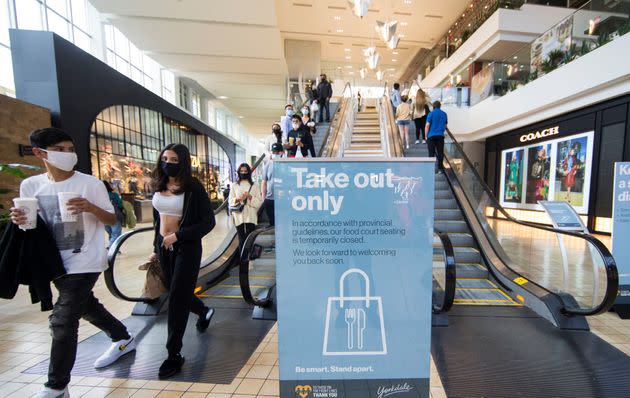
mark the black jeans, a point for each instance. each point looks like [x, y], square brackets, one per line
[243, 230]
[271, 211]
[324, 103]
[436, 149]
[420, 125]
[181, 269]
[76, 301]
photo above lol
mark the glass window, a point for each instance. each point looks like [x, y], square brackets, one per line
[109, 37]
[60, 6]
[5, 22]
[29, 14]
[79, 14]
[168, 85]
[121, 44]
[135, 56]
[195, 104]
[122, 66]
[59, 25]
[82, 40]
[6, 69]
[137, 75]
[211, 117]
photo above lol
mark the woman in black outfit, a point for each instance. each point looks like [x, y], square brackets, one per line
[420, 112]
[182, 215]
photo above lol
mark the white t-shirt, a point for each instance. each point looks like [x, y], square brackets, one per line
[81, 243]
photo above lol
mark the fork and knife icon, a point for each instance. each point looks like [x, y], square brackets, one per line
[355, 317]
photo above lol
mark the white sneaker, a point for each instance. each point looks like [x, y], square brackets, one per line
[417, 141]
[115, 351]
[50, 393]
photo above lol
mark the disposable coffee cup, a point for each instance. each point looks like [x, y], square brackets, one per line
[64, 197]
[291, 140]
[29, 207]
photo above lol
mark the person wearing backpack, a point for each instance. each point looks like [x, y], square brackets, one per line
[115, 230]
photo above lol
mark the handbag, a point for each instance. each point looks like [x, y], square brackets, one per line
[237, 208]
[155, 283]
[314, 107]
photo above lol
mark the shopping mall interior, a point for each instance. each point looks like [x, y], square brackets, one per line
[500, 271]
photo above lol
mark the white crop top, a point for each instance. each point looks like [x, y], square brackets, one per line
[172, 205]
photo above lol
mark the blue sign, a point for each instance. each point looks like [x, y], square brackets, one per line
[563, 215]
[354, 277]
[621, 229]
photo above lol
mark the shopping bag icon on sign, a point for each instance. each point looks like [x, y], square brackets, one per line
[354, 324]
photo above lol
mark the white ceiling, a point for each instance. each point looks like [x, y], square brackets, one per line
[235, 48]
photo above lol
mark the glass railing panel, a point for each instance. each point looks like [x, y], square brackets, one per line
[133, 252]
[561, 263]
[439, 272]
[262, 266]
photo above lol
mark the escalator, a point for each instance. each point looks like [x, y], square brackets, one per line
[518, 326]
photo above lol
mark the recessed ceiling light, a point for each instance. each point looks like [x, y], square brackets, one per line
[395, 53]
[347, 50]
[515, 57]
[348, 57]
[407, 1]
[392, 69]
[241, 117]
[337, 18]
[403, 24]
[401, 35]
[223, 97]
[349, 66]
[470, 58]
[339, 30]
[351, 73]
[394, 60]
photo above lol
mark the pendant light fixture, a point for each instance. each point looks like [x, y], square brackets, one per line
[362, 72]
[379, 75]
[393, 42]
[360, 7]
[386, 30]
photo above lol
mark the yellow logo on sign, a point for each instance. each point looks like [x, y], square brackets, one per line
[194, 161]
[520, 280]
[303, 391]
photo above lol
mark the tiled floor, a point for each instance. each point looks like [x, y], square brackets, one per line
[25, 341]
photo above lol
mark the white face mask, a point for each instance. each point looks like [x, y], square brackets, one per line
[296, 125]
[289, 112]
[62, 160]
[305, 111]
[276, 155]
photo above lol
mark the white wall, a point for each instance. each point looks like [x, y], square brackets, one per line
[522, 25]
[602, 74]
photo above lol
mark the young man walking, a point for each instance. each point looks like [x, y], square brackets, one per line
[437, 123]
[81, 243]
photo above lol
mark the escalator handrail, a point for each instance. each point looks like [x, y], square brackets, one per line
[108, 275]
[612, 275]
[243, 274]
[331, 140]
[394, 139]
[450, 278]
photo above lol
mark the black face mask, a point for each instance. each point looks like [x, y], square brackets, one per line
[276, 131]
[243, 176]
[171, 169]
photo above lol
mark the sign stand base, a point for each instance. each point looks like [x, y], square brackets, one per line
[623, 310]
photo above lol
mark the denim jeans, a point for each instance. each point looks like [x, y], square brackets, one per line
[76, 301]
[114, 232]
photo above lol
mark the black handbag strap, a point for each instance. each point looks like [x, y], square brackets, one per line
[248, 191]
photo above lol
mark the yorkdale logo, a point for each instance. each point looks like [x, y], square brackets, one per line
[405, 187]
[393, 390]
[303, 391]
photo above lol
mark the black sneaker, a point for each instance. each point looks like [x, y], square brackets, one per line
[204, 321]
[171, 367]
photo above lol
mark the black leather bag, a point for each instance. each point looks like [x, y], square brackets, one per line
[239, 207]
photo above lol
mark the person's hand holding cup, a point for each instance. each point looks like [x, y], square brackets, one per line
[71, 205]
[24, 213]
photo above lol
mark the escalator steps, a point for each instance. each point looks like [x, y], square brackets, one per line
[481, 292]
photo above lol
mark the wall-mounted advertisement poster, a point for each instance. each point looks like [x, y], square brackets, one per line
[513, 176]
[556, 38]
[571, 162]
[557, 169]
[482, 85]
[539, 168]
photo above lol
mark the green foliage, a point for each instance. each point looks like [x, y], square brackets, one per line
[15, 170]
[603, 39]
[623, 29]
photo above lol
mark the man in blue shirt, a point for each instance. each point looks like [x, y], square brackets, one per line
[437, 123]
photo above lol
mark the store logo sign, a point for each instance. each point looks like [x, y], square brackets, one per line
[540, 134]
[194, 161]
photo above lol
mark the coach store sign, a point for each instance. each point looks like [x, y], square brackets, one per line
[540, 134]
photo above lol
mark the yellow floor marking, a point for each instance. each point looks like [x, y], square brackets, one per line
[238, 286]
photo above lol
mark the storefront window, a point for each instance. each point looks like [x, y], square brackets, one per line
[126, 141]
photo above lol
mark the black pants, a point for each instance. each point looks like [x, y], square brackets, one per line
[181, 269]
[420, 125]
[324, 103]
[436, 149]
[76, 301]
[243, 230]
[271, 211]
